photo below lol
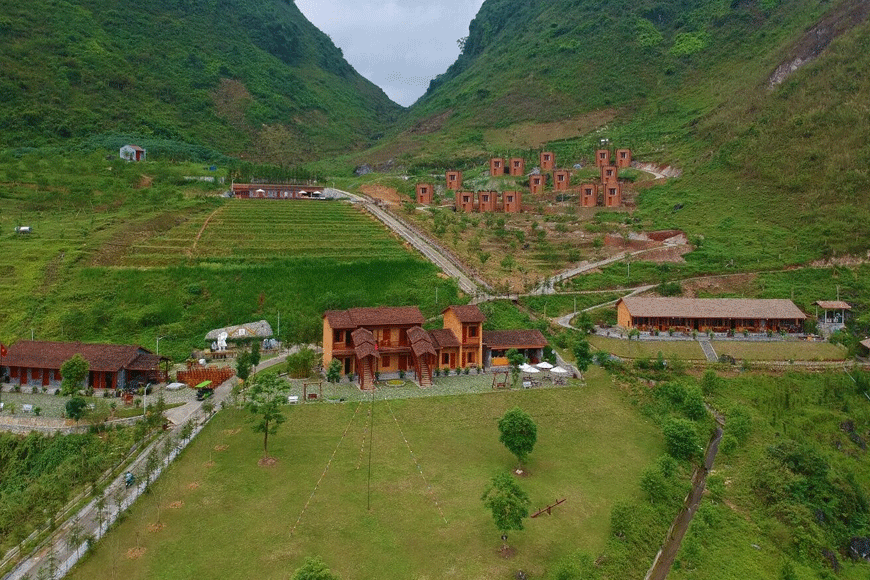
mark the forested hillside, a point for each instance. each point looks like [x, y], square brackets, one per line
[243, 77]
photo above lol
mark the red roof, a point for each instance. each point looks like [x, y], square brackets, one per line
[421, 341]
[739, 308]
[364, 343]
[101, 357]
[833, 305]
[378, 316]
[504, 339]
[469, 313]
[444, 338]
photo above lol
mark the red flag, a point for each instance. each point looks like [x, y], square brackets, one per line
[2, 350]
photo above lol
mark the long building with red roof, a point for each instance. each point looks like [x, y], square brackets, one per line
[112, 366]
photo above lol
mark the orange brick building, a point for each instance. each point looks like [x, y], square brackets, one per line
[424, 193]
[465, 201]
[517, 167]
[602, 157]
[487, 201]
[702, 314]
[588, 195]
[513, 201]
[537, 183]
[548, 161]
[561, 180]
[612, 195]
[623, 157]
[609, 174]
[454, 180]
[496, 167]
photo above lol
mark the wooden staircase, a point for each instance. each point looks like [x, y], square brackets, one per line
[366, 375]
[424, 376]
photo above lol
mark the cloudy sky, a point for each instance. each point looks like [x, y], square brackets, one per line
[398, 45]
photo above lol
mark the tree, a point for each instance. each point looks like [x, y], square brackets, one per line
[266, 397]
[681, 438]
[333, 372]
[243, 365]
[255, 354]
[74, 371]
[75, 408]
[515, 359]
[518, 433]
[582, 356]
[313, 569]
[508, 503]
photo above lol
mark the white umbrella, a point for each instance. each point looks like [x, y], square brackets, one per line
[558, 371]
[544, 365]
[529, 369]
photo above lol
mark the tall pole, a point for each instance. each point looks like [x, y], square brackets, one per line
[279, 326]
[371, 441]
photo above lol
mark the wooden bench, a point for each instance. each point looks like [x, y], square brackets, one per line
[293, 399]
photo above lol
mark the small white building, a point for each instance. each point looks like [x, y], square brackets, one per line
[132, 153]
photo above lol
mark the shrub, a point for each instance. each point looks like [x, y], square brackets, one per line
[681, 438]
[711, 383]
[739, 424]
[693, 404]
[667, 465]
[653, 484]
[716, 486]
[622, 519]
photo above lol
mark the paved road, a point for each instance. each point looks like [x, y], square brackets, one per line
[467, 282]
[118, 498]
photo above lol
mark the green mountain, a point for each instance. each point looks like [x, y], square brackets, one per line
[245, 77]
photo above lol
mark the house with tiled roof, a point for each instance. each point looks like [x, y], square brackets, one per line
[112, 366]
[703, 314]
[368, 341]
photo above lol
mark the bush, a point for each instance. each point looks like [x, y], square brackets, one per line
[711, 383]
[739, 424]
[654, 485]
[693, 404]
[716, 486]
[681, 438]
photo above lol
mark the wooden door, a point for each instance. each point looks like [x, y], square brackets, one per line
[452, 360]
[403, 363]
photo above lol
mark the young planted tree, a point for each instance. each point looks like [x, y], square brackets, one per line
[76, 408]
[313, 569]
[333, 372]
[73, 371]
[267, 395]
[508, 503]
[582, 356]
[255, 354]
[515, 359]
[243, 365]
[518, 433]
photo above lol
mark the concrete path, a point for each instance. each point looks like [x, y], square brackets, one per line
[708, 350]
[548, 285]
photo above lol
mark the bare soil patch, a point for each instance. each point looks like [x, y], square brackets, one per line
[534, 135]
[210, 464]
[177, 505]
[156, 527]
[267, 462]
[728, 284]
[232, 431]
[221, 447]
[135, 553]
[669, 254]
[193, 485]
[388, 195]
[507, 552]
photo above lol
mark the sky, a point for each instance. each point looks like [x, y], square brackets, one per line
[398, 45]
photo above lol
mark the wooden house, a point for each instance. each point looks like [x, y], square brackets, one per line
[425, 192]
[368, 341]
[496, 167]
[465, 201]
[111, 366]
[602, 157]
[513, 201]
[548, 161]
[537, 183]
[454, 180]
[517, 167]
[623, 157]
[132, 153]
[703, 314]
[561, 180]
[487, 201]
[588, 195]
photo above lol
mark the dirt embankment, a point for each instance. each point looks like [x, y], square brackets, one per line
[815, 40]
[388, 195]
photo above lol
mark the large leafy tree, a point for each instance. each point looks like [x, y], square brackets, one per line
[515, 359]
[508, 503]
[313, 569]
[265, 398]
[582, 355]
[73, 371]
[518, 433]
[243, 365]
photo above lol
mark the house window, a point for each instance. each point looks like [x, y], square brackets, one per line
[337, 336]
[386, 336]
[472, 331]
[471, 358]
[510, 198]
[445, 359]
[385, 361]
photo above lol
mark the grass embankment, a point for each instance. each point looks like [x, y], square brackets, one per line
[781, 351]
[455, 441]
[681, 349]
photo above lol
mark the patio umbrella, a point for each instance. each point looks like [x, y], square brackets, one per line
[558, 371]
[544, 365]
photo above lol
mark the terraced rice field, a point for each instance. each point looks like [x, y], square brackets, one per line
[260, 230]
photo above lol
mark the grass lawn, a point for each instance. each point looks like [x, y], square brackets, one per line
[431, 461]
[780, 350]
[683, 349]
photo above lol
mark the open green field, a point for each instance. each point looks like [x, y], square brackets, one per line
[682, 349]
[781, 350]
[431, 461]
